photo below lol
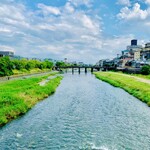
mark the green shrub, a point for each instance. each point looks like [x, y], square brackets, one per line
[145, 70]
[6, 66]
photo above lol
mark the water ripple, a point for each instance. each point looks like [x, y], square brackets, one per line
[83, 114]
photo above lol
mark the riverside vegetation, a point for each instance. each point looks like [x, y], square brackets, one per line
[24, 66]
[138, 89]
[13, 67]
[18, 96]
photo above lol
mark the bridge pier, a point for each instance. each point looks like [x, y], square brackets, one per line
[72, 70]
[79, 70]
[85, 70]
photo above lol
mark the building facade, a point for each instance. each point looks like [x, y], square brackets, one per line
[6, 53]
[137, 55]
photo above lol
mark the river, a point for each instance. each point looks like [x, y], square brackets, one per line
[84, 114]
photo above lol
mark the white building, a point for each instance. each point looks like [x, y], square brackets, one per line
[6, 53]
[137, 55]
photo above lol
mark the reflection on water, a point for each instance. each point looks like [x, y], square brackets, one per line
[85, 114]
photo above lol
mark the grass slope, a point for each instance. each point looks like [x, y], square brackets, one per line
[18, 96]
[138, 89]
[26, 72]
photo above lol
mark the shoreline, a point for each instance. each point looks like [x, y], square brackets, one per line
[19, 96]
[135, 87]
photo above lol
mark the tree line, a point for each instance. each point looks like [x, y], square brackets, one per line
[7, 65]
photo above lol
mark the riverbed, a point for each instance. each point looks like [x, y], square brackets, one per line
[84, 114]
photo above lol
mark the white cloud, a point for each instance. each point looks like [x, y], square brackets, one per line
[134, 13]
[69, 8]
[87, 22]
[57, 32]
[77, 3]
[124, 2]
[56, 35]
[6, 48]
[147, 2]
[49, 9]
[2, 29]
[17, 13]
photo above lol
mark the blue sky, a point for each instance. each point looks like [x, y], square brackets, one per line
[80, 30]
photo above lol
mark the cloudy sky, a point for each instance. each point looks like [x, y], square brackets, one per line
[80, 30]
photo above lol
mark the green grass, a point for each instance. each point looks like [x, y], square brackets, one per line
[142, 76]
[136, 75]
[136, 88]
[26, 72]
[18, 96]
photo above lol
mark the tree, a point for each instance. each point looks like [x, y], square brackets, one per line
[6, 66]
[145, 70]
[48, 64]
[61, 64]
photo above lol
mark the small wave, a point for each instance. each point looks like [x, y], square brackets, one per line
[99, 148]
[91, 146]
[18, 135]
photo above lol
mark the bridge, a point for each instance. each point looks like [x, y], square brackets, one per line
[79, 68]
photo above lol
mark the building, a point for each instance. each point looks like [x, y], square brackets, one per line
[101, 63]
[134, 47]
[133, 52]
[134, 42]
[126, 53]
[6, 53]
[145, 53]
[147, 47]
[137, 55]
[65, 60]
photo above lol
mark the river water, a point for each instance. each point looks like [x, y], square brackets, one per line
[84, 114]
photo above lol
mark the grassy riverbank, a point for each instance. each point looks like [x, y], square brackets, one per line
[27, 72]
[136, 75]
[133, 86]
[18, 96]
[142, 76]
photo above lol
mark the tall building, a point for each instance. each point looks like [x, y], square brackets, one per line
[134, 47]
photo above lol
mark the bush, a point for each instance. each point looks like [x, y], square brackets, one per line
[145, 70]
[6, 66]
